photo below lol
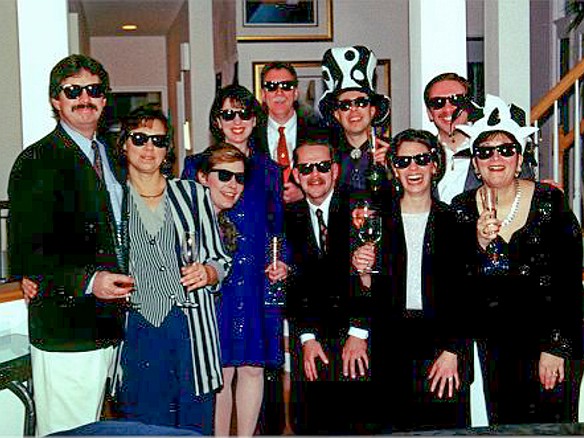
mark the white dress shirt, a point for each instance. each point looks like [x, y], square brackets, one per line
[274, 135]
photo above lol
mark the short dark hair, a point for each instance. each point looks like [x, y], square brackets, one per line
[277, 65]
[240, 95]
[220, 153]
[70, 66]
[425, 138]
[442, 77]
[142, 116]
[315, 137]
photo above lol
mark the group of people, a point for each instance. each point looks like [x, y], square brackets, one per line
[360, 270]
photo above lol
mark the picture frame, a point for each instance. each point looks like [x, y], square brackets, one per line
[284, 20]
[310, 85]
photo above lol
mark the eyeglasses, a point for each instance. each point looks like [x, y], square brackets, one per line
[360, 102]
[73, 91]
[140, 139]
[457, 100]
[229, 114]
[403, 161]
[505, 150]
[321, 166]
[225, 175]
[282, 85]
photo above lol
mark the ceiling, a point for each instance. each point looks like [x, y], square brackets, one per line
[105, 17]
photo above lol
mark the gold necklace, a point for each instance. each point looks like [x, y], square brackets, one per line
[153, 196]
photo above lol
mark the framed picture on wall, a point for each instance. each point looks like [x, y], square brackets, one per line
[310, 85]
[284, 20]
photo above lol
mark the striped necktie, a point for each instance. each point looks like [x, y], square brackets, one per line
[322, 236]
[97, 165]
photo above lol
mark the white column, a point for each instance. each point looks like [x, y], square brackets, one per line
[43, 41]
[437, 45]
[507, 69]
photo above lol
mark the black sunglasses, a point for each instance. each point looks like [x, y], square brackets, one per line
[73, 91]
[456, 100]
[321, 166]
[140, 139]
[225, 175]
[229, 114]
[505, 150]
[360, 102]
[282, 85]
[403, 161]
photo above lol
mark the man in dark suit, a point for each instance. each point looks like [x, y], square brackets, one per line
[330, 342]
[285, 125]
[65, 204]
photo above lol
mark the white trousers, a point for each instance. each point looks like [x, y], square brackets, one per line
[69, 387]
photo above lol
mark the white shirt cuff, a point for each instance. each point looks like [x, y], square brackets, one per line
[358, 332]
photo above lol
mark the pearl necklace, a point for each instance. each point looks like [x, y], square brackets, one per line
[514, 207]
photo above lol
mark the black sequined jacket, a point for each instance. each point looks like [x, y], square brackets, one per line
[535, 303]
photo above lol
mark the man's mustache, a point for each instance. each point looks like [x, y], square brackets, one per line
[85, 105]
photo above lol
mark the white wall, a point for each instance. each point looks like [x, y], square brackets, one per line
[132, 61]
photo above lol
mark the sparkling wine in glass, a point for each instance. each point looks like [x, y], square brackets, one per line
[370, 232]
[189, 252]
[489, 201]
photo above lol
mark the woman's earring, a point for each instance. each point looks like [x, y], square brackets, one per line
[517, 172]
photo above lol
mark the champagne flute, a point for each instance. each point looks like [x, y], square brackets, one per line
[489, 201]
[189, 252]
[370, 232]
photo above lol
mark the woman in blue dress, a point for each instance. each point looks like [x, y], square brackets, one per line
[250, 311]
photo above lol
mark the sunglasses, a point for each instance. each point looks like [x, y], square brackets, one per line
[226, 175]
[229, 114]
[140, 139]
[456, 100]
[347, 104]
[73, 91]
[403, 161]
[282, 85]
[322, 167]
[505, 150]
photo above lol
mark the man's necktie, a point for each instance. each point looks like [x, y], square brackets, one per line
[97, 160]
[283, 157]
[322, 237]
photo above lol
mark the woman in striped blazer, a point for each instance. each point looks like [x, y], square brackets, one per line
[170, 358]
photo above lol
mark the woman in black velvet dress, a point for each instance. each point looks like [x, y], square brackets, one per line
[525, 303]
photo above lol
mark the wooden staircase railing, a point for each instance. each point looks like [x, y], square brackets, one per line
[566, 95]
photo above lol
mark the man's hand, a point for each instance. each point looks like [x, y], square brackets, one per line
[381, 148]
[355, 356]
[312, 350]
[551, 370]
[110, 286]
[444, 371]
[292, 193]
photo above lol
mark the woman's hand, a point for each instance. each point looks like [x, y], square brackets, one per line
[198, 275]
[487, 228]
[551, 370]
[444, 371]
[29, 289]
[278, 272]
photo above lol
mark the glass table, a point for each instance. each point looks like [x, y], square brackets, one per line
[15, 371]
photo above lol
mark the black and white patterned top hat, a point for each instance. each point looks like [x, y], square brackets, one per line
[351, 68]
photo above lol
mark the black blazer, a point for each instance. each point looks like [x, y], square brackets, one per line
[62, 230]
[319, 288]
[398, 332]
